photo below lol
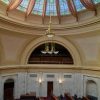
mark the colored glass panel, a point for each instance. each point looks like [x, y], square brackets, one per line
[38, 8]
[64, 10]
[78, 5]
[23, 5]
[6, 1]
[96, 1]
[51, 6]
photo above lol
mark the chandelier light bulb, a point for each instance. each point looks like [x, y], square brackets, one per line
[44, 52]
[50, 52]
[56, 52]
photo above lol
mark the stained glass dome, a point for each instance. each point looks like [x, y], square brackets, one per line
[51, 6]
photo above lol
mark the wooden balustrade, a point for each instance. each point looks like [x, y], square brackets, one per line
[50, 60]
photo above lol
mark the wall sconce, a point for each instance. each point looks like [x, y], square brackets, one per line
[60, 81]
[40, 80]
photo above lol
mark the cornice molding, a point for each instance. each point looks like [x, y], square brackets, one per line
[24, 28]
[47, 66]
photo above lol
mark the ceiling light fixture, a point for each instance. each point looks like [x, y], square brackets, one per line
[49, 47]
[48, 33]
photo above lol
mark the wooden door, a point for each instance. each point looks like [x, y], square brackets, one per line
[49, 88]
[8, 91]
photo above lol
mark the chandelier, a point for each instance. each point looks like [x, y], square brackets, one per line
[49, 46]
[48, 32]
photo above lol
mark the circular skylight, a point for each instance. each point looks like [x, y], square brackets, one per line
[52, 6]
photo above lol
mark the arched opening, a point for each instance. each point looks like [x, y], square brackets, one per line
[9, 89]
[63, 57]
[91, 90]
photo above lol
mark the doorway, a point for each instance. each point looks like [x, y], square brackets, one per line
[9, 89]
[49, 88]
[92, 90]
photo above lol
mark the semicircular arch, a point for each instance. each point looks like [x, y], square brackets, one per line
[65, 43]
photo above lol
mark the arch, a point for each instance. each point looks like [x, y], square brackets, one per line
[64, 42]
[91, 89]
[9, 80]
[9, 89]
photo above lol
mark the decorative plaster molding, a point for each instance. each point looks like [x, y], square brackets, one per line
[35, 43]
[49, 66]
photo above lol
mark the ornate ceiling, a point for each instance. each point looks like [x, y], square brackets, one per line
[51, 7]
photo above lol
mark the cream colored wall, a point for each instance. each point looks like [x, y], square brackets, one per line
[11, 48]
[89, 48]
[16, 48]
